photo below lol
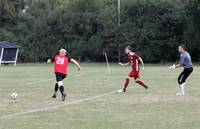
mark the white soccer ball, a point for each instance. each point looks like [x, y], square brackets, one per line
[14, 95]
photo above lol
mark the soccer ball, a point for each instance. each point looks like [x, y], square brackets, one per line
[13, 95]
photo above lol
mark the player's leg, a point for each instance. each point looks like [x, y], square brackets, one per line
[61, 87]
[62, 90]
[187, 73]
[181, 80]
[180, 83]
[141, 83]
[58, 77]
[138, 81]
[55, 90]
[126, 84]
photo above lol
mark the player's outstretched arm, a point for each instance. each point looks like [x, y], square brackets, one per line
[76, 63]
[181, 62]
[175, 66]
[123, 64]
[142, 62]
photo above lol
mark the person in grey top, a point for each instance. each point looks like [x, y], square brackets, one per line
[186, 62]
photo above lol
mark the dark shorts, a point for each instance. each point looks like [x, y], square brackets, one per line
[184, 75]
[60, 76]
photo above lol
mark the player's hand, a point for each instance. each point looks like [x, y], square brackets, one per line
[49, 61]
[120, 63]
[142, 68]
[172, 67]
[79, 68]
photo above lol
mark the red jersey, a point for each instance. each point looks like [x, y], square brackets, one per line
[133, 59]
[60, 64]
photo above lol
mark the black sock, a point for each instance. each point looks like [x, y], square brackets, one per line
[146, 87]
[62, 90]
[124, 89]
[56, 87]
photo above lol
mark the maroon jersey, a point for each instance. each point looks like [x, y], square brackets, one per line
[60, 64]
[133, 59]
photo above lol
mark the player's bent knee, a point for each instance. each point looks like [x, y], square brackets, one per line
[179, 82]
[136, 79]
[60, 83]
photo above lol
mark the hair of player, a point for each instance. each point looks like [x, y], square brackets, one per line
[182, 45]
[62, 50]
[128, 47]
[66, 52]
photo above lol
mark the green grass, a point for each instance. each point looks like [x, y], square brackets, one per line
[158, 109]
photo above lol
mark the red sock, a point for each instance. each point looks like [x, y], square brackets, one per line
[126, 83]
[141, 83]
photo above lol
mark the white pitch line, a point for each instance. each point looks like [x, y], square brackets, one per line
[39, 82]
[60, 106]
[42, 81]
[36, 82]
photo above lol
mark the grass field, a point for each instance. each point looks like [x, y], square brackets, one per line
[92, 102]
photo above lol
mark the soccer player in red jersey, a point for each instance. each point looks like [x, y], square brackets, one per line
[60, 69]
[135, 72]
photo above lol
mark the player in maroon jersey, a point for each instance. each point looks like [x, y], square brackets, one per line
[135, 72]
[60, 69]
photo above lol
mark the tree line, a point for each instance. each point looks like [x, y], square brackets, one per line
[153, 28]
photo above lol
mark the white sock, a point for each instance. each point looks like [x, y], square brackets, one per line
[179, 88]
[182, 87]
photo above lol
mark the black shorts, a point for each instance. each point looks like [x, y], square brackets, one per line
[184, 75]
[60, 76]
